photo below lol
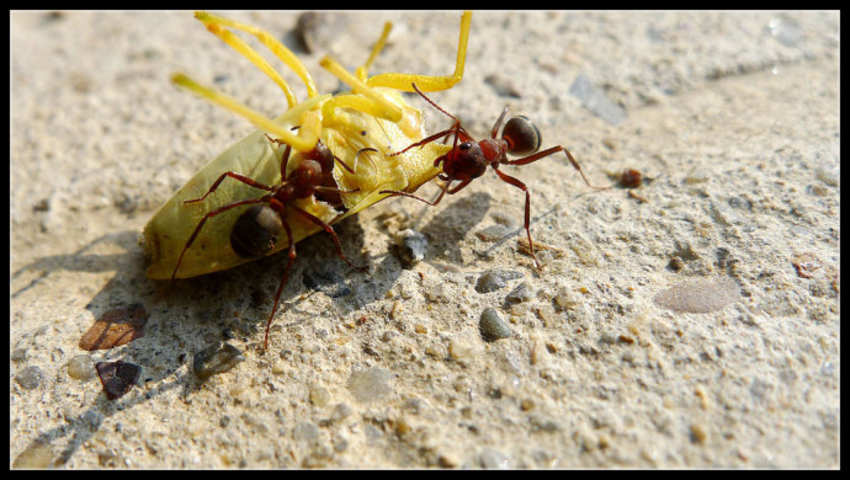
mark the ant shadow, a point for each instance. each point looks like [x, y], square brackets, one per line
[188, 315]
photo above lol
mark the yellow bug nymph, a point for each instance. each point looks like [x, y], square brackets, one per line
[374, 106]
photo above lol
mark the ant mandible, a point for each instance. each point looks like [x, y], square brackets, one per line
[469, 159]
[255, 232]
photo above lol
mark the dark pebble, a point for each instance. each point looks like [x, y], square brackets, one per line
[522, 293]
[117, 377]
[492, 326]
[216, 359]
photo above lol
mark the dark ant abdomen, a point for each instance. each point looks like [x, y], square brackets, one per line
[256, 231]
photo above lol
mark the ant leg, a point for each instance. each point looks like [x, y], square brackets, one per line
[361, 72]
[283, 279]
[203, 220]
[495, 131]
[241, 178]
[425, 141]
[310, 122]
[515, 182]
[396, 193]
[550, 151]
[403, 81]
[213, 23]
[331, 231]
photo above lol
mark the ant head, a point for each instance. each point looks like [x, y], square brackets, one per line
[522, 136]
[465, 162]
[322, 154]
[255, 232]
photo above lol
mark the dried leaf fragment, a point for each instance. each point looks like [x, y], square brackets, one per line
[116, 327]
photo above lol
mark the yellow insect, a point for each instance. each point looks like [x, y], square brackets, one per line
[374, 106]
[345, 158]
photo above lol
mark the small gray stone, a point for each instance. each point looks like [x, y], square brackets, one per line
[305, 432]
[81, 367]
[493, 233]
[340, 412]
[522, 293]
[411, 246]
[29, 378]
[216, 359]
[493, 459]
[371, 384]
[493, 280]
[19, 354]
[492, 326]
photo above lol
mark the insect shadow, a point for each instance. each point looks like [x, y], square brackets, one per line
[446, 230]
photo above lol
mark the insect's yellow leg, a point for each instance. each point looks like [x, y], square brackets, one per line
[428, 83]
[255, 58]
[388, 109]
[354, 102]
[304, 141]
[362, 72]
[284, 54]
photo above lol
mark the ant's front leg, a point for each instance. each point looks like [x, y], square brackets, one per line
[331, 231]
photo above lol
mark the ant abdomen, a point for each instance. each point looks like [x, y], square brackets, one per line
[256, 231]
[522, 136]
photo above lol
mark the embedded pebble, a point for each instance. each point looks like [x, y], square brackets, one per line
[565, 299]
[493, 459]
[305, 432]
[317, 31]
[341, 411]
[493, 232]
[319, 396]
[411, 247]
[29, 377]
[371, 384]
[37, 455]
[522, 293]
[594, 99]
[80, 367]
[19, 354]
[698, 296]
[492, 326]
[493, 280]
[216, 359]
[117, 377]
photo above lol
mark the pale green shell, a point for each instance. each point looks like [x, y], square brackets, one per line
[166, 233]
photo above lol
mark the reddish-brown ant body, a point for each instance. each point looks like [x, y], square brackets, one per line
[256, 231]
[469, 159]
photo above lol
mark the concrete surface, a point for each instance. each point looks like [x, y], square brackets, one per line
[734, 117]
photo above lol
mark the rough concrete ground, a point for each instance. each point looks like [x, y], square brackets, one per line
[734, 117]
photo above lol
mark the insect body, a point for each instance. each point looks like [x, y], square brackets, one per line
[469, 160]
[372, 117]
[307, 191]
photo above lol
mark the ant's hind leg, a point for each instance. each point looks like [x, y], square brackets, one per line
[201, 224]
[331, 231]
[283, 280]
[550, 151]
[517, 183]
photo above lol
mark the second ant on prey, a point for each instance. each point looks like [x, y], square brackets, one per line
[256, 231]
[469, 159]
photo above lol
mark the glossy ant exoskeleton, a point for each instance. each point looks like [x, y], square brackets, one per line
[256, 231]
[469, 159]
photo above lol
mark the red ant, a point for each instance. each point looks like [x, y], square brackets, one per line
[255, 232]
[469, 159]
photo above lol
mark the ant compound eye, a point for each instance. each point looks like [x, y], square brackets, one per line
[255, 232]
[522, 136]
[465, 145]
